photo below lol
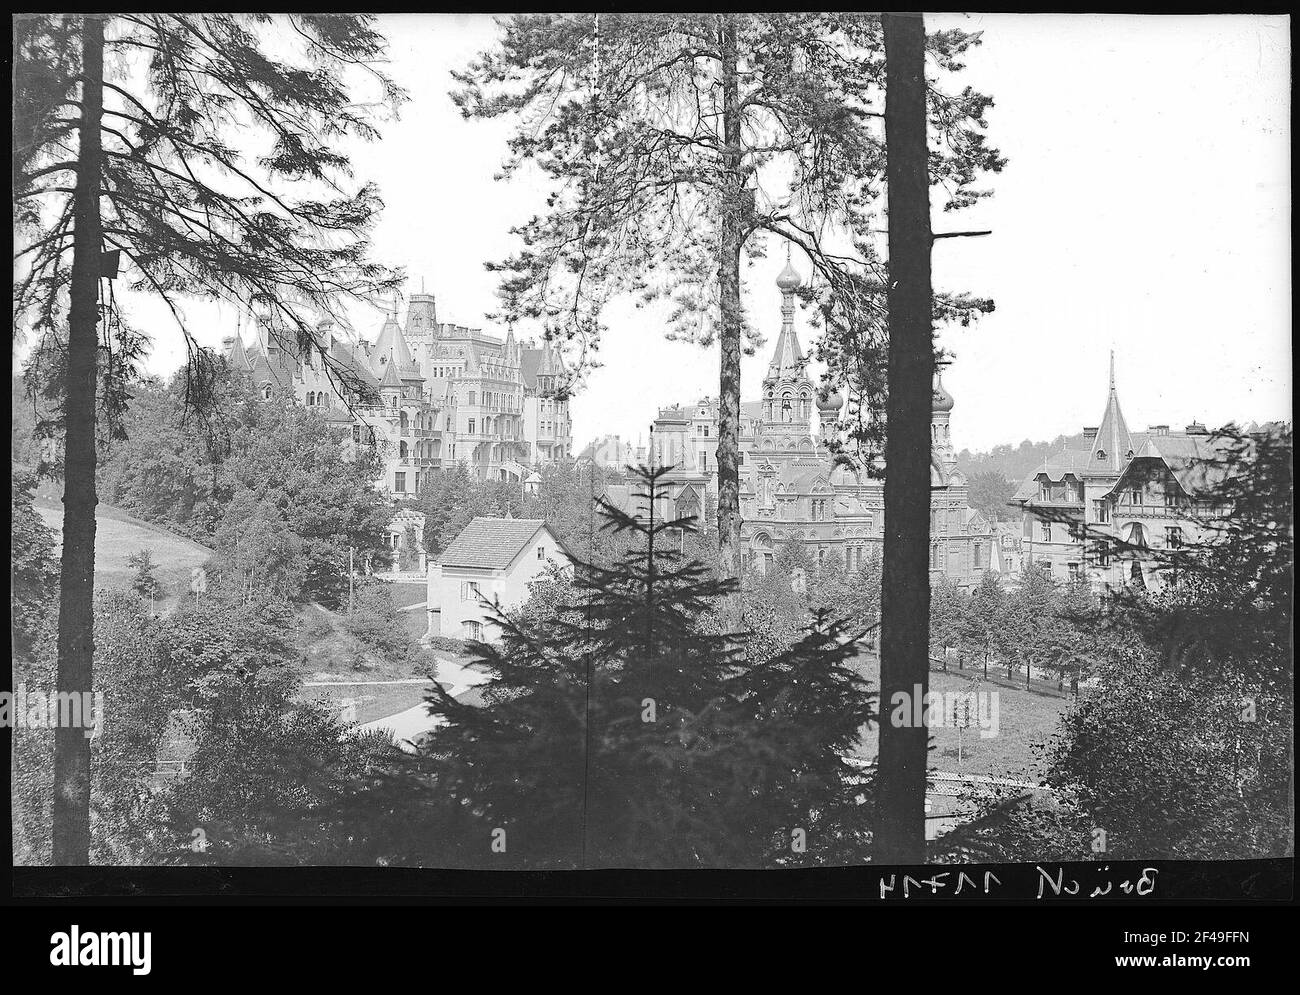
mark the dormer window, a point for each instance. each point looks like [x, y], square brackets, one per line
[1101, 454]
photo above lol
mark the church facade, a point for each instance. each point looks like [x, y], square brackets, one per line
[791, 489]
[432, 394]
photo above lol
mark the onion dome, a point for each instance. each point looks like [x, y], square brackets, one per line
[942, 400]
[788, 280]
[832, 402]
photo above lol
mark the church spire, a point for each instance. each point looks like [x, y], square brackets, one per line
[1113, 443]
[787, 358]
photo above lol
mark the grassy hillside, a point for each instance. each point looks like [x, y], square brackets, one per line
[118, 536]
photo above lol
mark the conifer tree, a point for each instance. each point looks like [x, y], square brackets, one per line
[677, 143]
[155, 189]
[620, 730]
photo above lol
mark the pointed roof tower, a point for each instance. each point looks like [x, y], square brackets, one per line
[1113, 443]
[392, 343]
[238, 358]
[391, 377]
[787, 357]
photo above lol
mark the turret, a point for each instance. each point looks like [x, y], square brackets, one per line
[828, 413]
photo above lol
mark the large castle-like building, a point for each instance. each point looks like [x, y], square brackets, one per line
[429, 395]
[791, 488]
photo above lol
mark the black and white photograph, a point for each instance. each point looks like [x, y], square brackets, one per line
[459, 455]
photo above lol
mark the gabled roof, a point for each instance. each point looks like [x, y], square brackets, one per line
[492, 543]
[1190, 459]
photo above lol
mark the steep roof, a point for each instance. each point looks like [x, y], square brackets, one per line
[1190, 459]
[391, 376]
[1113, 441]
[392, 342]
[491, 543]
[238, 358]
[787, 357]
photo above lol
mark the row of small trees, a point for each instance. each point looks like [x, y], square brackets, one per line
[1032, 623]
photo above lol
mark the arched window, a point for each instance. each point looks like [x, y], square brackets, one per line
[266, 392]
[401, 450]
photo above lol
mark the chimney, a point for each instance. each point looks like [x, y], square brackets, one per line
[1196, 428]
[1090, 433]
[1158, 429]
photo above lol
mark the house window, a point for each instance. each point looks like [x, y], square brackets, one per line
[1101, 454]
[471, 426]
[471, 400]
[977, 555]
[934, 557]
[1072, 569]
[399, 481]
[1173, 536]
[469, 590]
[475, 630]
[1045, 530]
[1135, 495]
[266, 392]
[1101, 511]
[706, 431]
[821, 558]
[541, 552]
[1172, 498]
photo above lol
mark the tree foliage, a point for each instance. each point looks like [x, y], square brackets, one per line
[618, 729]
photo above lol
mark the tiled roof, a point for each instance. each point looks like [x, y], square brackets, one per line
[490, 543]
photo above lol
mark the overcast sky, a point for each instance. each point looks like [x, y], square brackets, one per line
[1145, 208]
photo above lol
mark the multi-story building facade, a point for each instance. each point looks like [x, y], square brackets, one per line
[1109, 512]
[445, 394]
[791, 489]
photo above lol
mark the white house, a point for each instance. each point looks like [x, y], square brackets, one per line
[493, 559]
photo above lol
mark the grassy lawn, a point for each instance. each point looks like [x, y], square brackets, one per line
[1024, 719]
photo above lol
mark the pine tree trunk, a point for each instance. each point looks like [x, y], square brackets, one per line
[71, 810]
[731, 240]
[905, 606]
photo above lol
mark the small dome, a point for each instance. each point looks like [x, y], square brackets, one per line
[788, 280]
[942, 400]
[832, 402]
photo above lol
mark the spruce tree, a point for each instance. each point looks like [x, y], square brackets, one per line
[621, 729]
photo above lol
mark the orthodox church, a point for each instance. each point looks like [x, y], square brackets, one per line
[791, 489]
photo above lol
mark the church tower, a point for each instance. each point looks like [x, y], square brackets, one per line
[944, 456]
[787, 391]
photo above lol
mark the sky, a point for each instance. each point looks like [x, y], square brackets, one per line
[1144, 209]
